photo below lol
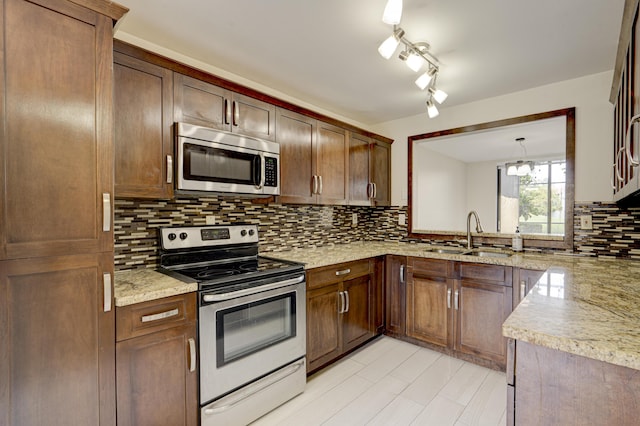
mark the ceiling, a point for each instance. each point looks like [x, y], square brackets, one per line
[543, 139]
[324, 52]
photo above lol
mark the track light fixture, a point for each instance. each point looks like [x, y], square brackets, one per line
[414, 55]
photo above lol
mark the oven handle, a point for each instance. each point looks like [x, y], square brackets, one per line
[246, 291]
[225, 404]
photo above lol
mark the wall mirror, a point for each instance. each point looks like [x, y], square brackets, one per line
[513, 172]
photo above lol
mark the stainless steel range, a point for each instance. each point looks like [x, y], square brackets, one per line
[251, 320]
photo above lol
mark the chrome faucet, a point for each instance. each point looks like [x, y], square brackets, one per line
[478, 227]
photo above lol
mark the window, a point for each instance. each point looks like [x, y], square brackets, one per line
[534, 202]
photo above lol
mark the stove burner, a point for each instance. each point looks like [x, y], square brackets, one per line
[208, 274]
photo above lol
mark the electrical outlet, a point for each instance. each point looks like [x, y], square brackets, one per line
[585, 222]
[211, 220]
[401, 219]
[354, 219]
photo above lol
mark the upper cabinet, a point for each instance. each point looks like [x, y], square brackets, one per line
[143, 108]
[369, 171]
[625, 179]
[205, 104]
[56, 161]
[314, 158]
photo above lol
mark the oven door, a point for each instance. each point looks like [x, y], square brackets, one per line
[244, 337]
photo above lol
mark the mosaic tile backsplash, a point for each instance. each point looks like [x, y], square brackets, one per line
[616, 231]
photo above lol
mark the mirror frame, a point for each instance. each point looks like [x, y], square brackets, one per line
[538, 241]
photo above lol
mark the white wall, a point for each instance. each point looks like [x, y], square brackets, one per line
[482, 193]
[594, 129]
[442, 178]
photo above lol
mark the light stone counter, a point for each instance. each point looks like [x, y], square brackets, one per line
[141, 285]
[589, 308]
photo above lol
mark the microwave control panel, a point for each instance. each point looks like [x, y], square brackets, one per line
[270, 171]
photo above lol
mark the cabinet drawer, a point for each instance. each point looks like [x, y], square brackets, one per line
[148, 317]
[430, 267]
[481, 271]
[319, 277]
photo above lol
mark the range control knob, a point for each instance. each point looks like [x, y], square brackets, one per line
[171, 236]
[251, 232]
[183, 235]
[243, 232]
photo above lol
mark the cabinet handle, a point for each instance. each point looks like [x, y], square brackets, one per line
[375, 190]
[523, 289]
[315, 184]
[618, 175]
[320, 185]
[227, 112]
[401, 274]
[369, 190]
[343, 272]
[346, 294]
[106, 291]
[159, 316]
[341, 296]
[448, 298]
[192, 354]
[236, 113]
[169, 169]
[456, 300]
[106, 212]
[627, 143]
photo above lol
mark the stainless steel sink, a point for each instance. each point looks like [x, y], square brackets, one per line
[482, 253]
[451, 250]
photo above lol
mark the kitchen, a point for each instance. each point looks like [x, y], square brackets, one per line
[283, 224]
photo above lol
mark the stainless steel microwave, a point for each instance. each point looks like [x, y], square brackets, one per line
[215, 161]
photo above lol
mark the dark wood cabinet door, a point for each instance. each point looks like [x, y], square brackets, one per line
[380, 174]
[143, 108]
[201, 103]
[482, 308]
[332, 164]
[296, 136]
[323, 331]
[57, 352]
[359, 183]
[395, 299]
[253, 117]
[356, 318]
[56, 147]
[429, 316]
[156, 383]
[378, 295]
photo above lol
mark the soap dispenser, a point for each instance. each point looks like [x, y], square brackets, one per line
[516, 242]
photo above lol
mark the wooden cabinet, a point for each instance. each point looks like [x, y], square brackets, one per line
[483, 300]
[56, 166]
[548, 386]
[429, 301]
[341, 301]
[395, 295]
[205, 104]
[143, 108]
[56, 190]
[523, 282]
[369, 171]
[156, 362]
[314, 160]
[57, 352]
[459, 306]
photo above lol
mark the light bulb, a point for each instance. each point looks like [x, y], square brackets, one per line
[392, 12]
[423, 81]
[414, 62]
[432, 111]
[439, 95]
[524, 169]
[512, 170]
[388, 46]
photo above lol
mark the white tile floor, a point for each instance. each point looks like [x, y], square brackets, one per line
[390, 382]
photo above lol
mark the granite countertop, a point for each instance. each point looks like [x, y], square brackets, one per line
[142, 285]
[588, 307]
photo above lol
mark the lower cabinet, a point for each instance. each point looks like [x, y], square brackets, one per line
[459, 307]
[156, 374]
[395, 300]
[341, 309]
[524, 280]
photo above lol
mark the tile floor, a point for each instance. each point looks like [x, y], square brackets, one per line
[390, 382]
